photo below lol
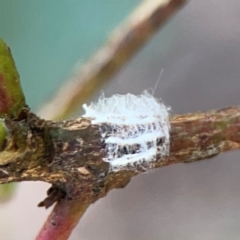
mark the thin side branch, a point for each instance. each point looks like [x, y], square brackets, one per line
[121, 46]
[62, 220]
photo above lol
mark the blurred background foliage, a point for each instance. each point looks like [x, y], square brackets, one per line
[48, 38]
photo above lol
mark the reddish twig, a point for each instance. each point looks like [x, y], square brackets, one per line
[62, 220]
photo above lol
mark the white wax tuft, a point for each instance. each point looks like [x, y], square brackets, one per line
[134, 128]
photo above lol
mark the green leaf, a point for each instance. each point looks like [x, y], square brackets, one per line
[12, 99]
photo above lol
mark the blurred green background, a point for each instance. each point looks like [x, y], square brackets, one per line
[48, 38]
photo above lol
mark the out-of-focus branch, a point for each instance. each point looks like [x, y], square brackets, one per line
[123, 43]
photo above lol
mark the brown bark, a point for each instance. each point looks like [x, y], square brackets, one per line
[69, 154]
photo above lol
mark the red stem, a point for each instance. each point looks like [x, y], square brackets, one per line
[62, 220]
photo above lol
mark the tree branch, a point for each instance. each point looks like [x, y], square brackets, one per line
[70, 154]
[193, 137]
[123, 43]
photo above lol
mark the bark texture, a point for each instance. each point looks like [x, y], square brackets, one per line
[69, 154]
